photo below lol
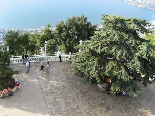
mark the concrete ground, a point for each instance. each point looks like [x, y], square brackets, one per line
[61, 93]
[28, 101]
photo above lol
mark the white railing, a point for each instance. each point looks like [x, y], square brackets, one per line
[18, 59]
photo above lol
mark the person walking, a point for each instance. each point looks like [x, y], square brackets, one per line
[27, 66]
[59, 54]
[47, 67]
[28, 59]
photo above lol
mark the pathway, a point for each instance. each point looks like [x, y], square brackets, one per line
[28, 101]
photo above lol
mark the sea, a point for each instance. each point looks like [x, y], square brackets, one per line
[32, 14]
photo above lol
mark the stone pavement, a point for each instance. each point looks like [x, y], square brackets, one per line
[61, 93]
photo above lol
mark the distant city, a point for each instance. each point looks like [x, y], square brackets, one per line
[3, 32]
[149, 4]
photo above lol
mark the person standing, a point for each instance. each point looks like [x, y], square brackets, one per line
[69, 55]
[26, 55]
[28, 58]
[42, 64]
[27, 66]
[59, 54]
[47, 67]
[23, 58]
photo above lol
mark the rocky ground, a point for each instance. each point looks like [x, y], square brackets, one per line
[66, 95]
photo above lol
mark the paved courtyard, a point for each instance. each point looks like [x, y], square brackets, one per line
[61, 93]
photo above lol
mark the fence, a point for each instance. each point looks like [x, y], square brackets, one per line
[18, 59]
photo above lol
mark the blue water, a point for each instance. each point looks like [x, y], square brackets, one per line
[31, 14]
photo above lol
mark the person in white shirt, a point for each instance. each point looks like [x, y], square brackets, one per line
[69, 55]
[59, 54]
[28, 59]
[42, 64]
[27, 66]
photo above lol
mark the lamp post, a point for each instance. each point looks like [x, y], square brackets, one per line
[45, 51]
[7, 48]
[45, 47]
[80, 44]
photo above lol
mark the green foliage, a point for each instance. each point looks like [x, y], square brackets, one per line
[51, 46]
[151, 37]
[63, 48]
[72, 31]
[17, 43]
[12, 39]
[5, 71]
[47, 34]
[31, 43]
[118, 53]
[35, 39]
[24, 41]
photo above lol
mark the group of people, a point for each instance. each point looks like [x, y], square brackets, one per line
[6, 92]
[59, 54]
[26, 61]
[25, 57]
[42, 66]
[107, 90]
[48, 65]
[106, 87]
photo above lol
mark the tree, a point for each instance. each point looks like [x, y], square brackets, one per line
[117, 55]
[23, 42]
[18, 44]
[5, 72]
[12, 39]
[151, 37]
[74, 30]
[31, 43]
[46, 35]
[51, 46]
[34, 45]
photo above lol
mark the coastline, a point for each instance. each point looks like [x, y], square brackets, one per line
[3, 32]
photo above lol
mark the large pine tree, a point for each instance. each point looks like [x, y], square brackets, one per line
[118, 55]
